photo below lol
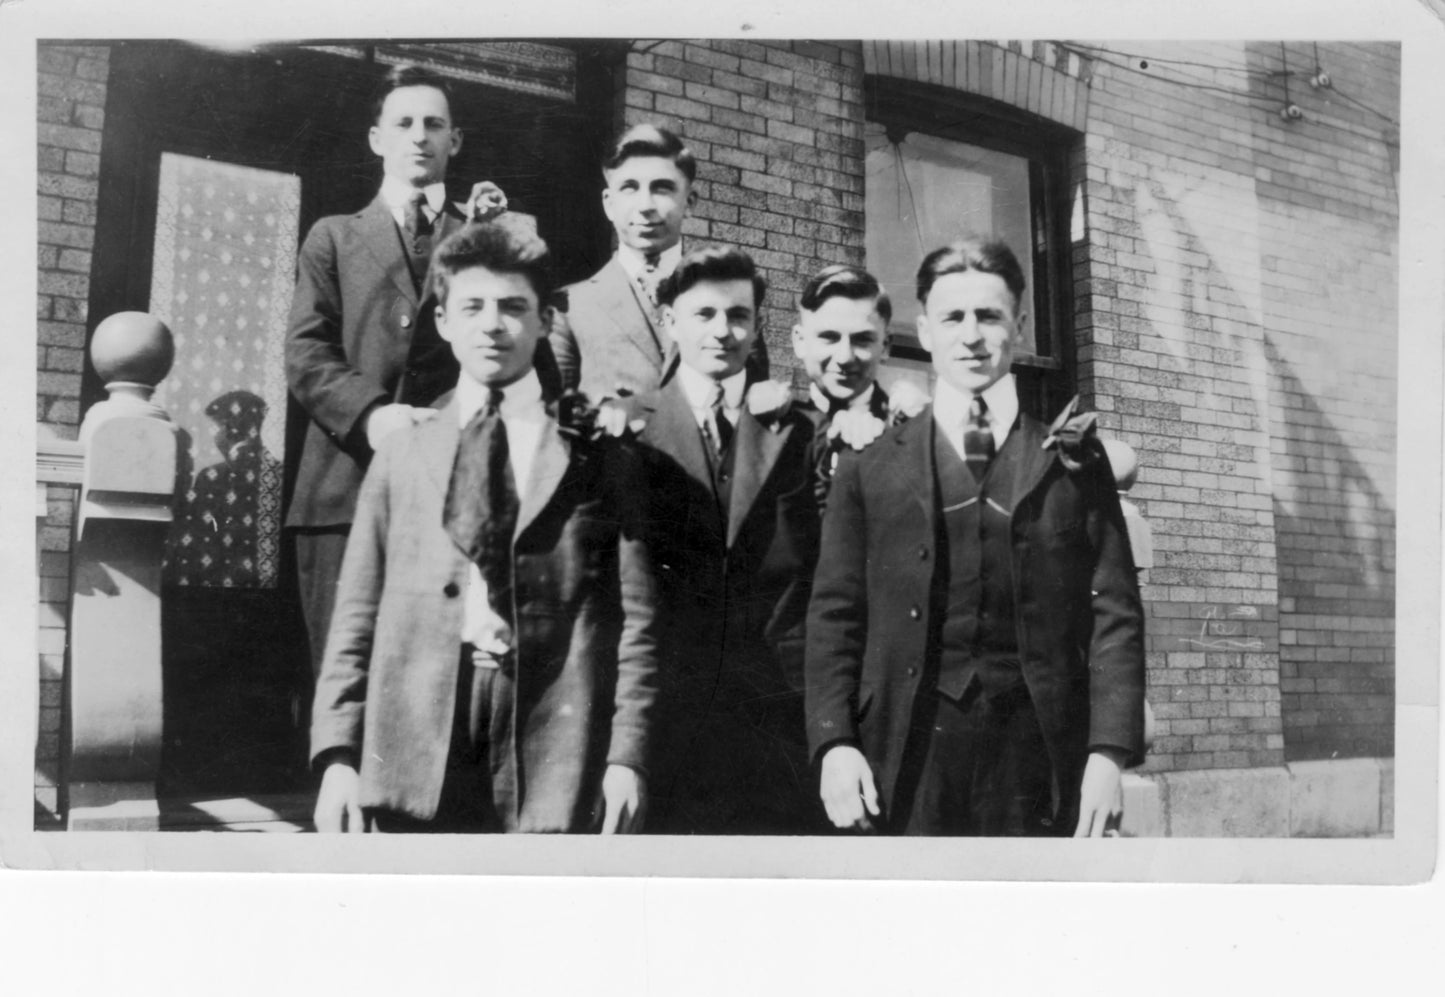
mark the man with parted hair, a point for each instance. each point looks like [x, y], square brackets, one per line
[733, 531]
[362, 354]
[975, 658]
[607, 332]
[491, 665]
[841, 337]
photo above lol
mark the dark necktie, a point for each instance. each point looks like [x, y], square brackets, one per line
[978, 438]
[481, 507]
[417, 228]
[721, 428]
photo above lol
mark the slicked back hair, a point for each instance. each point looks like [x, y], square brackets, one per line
[717, 263]
[979, 253]
[651, 140]
[409, 75]
[844, 281]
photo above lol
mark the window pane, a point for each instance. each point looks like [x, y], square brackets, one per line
[925, 192]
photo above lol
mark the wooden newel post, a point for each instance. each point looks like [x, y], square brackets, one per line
[115, 630]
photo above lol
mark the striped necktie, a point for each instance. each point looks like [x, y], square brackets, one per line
[978, 445]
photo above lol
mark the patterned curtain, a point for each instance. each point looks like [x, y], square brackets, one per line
[223, 273]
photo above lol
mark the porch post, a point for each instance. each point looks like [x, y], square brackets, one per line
[115, 630]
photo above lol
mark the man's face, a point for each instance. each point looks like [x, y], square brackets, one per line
[714, 324]
[970, 324]
[646, 199]
[493, 322]
[841, 345]
[414, 135]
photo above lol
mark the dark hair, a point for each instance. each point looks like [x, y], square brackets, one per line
[973, 253]
[409, 75]
[843, 281]
[651, 140]
[712, 263]
[508, 243]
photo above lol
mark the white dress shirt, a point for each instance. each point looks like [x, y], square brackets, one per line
[950, 411]
[525, 417]
[860, 401]
[397, 195]
[634, 263]
[697, 389]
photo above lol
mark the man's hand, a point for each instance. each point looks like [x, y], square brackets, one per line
[624, 800]
[387, 419]
[1101, 800]
[338, 804]
[856, 428]
[847, 788]
[487, 202]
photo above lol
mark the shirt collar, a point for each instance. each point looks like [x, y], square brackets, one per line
[634, 263]
[697, 387]
[824, 403]
[397, 193]
[950, 405]
[521, 395]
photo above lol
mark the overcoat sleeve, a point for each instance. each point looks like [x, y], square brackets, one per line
[564, 342]
[636, 698]
[338, 711]
[1116, 647]
[837, 615]
[332, 390]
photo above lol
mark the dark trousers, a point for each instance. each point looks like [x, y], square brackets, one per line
[475, 790]
[976, 766]
[319, 551]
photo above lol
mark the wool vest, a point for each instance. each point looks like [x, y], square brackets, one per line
[973, 591]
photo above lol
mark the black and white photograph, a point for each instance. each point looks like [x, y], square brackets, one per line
[793, 450]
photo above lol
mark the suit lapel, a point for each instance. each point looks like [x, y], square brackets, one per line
[673, 430]
[549, 466]
[755, 451]
[379, 234]
[437, 445]
[1033, 460]
[621, 300]
[915, 437]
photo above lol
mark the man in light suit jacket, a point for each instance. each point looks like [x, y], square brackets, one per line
[362, 354]
[733, 528]
[491, 664]
[975, 659]
[607, 332]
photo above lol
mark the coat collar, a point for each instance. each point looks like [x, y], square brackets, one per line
[916, 438]
[437, 442]
[619, 300]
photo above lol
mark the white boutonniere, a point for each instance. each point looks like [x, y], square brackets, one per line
[905, 400]
[769, 402]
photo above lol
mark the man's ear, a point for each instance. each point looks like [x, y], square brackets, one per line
[691, 197]
[373, 137]
[798, 340]
[884, 345]
[456, 141]
[441, 321]
[668, 322]
[925, 335]
[546, 313]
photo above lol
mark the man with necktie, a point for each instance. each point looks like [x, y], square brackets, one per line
[733, 531]
[975, 661]
[607, 331]
[492, 665]
[362, 354]
[841, 338]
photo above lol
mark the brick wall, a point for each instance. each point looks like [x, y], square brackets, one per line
[71, 88]
[777, 128]
[1328, 275]
[1232, 259]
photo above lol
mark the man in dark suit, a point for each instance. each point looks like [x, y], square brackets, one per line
[362, 354]
[733, 533]
[607, 332]
[491, 665]
[841, 337]
[975, 658]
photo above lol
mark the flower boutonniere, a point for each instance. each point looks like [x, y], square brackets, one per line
[905, 400]
[1075, 436]
[769, 402]
[578, 419]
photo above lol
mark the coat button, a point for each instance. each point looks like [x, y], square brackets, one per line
[406, 321]
[451, 590]
[913, 613]
[922, 552]
[912, 671]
